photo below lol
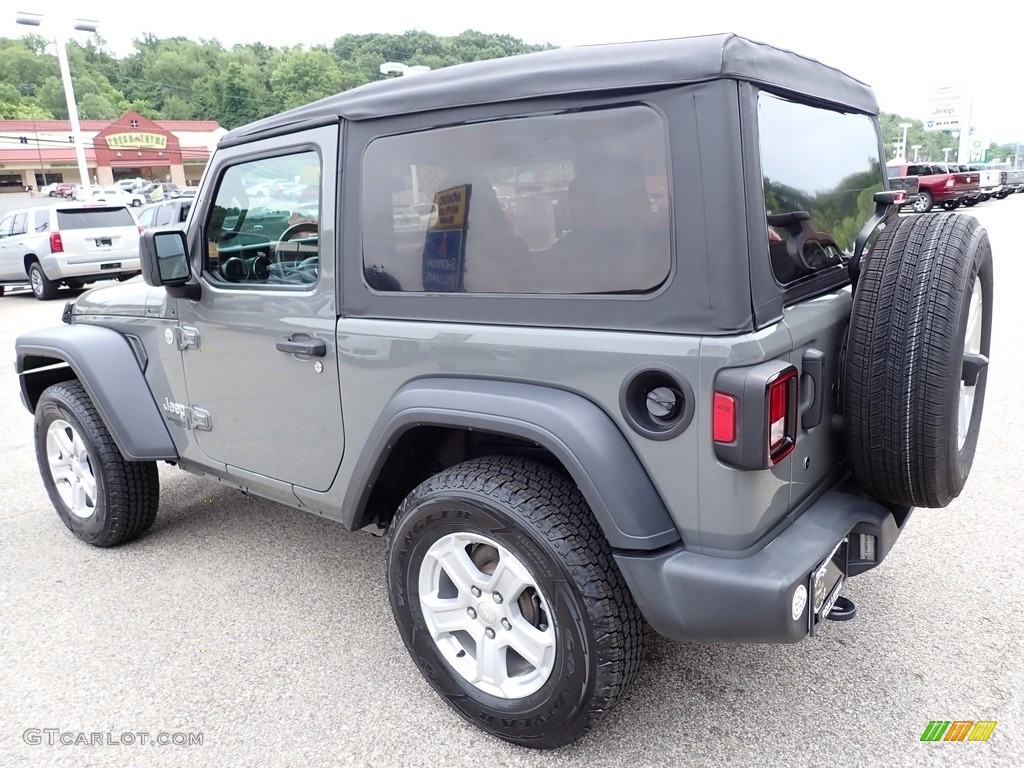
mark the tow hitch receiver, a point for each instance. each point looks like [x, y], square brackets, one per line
[842, 610]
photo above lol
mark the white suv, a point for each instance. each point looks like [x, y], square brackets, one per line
[70, 244]
[115, 195]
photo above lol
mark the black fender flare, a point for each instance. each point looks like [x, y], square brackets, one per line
[576, 431]
[103, 360]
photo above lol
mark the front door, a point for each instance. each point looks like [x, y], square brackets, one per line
[259, 344]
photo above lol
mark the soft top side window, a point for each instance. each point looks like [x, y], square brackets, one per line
[571, 203]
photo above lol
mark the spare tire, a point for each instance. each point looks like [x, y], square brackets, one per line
[917, 359]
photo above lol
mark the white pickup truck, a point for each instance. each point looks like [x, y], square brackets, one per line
[989, 183]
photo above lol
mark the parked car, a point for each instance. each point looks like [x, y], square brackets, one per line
[937, 184]
[68, 244]
[67, 189]
[990, 184]
[1011, 180]
[112, 194]
[50, 190]
[649, 413]
[171, 190]
[166, 213]
[155, 191]
[132, 185]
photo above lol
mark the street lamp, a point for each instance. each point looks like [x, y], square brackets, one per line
[397, 68]
[903, 142]
[945, 154]
[916, 147]
[83, 25]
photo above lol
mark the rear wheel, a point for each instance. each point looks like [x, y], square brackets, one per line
[43, 287]
[510, 603]
[951, 205]
[101, 497]
[917, 359]
[924, 202]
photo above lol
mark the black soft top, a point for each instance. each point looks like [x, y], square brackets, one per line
[596, 68]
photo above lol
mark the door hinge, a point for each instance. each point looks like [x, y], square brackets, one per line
[187, 338]
[197, 418]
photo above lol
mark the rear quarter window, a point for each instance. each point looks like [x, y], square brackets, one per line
[91, 218]
[821, 167]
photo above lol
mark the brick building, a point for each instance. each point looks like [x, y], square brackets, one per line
[38, 152]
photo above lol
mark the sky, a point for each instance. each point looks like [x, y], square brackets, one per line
[869, 41]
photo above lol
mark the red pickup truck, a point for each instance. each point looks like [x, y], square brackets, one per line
[937, 185]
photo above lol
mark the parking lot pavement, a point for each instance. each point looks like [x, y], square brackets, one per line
[267, 631]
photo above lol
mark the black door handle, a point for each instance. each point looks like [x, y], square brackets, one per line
[304, 345]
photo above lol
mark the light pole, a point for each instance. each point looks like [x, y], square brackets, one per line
[916, 147]
[903, 142]
[945, 154]
[83, 25]
[395, 67]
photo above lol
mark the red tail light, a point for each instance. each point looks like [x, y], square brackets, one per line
[782, 416]
[56, 244]
[754, 414]
[724, 418]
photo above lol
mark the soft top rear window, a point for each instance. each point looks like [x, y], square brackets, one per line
[90, 218]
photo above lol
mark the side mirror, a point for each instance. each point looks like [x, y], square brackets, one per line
[163, 255]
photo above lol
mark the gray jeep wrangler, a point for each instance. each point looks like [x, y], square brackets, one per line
[602, 339]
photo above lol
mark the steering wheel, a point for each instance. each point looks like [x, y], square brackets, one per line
[307, 227]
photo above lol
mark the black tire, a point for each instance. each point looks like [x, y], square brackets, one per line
[579, 599]
[53, 194]
[43, 287]
[3, 289]
[951, 205]
[907, 369]
[974, 202]
[924, 202]
[126, 494]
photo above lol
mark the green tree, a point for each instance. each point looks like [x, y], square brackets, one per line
[13, 106]
[305, 76]
[180, 78]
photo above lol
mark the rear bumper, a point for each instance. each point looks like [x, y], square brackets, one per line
[688, 596]
[63, 266]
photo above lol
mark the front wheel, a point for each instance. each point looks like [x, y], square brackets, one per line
[101, 497]
[509, 601]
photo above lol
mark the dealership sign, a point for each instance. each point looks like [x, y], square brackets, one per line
[136, 140]
[947, 109]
